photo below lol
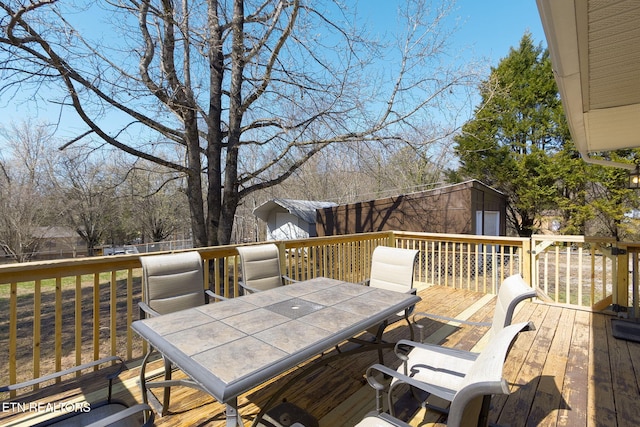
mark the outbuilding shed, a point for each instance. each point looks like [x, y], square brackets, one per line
[290, 219]
[467, 208]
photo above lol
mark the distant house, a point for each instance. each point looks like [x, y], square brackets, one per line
[290, 219]
[59, 242]
[467, 208]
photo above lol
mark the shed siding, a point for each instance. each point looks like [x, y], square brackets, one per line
[450, 209]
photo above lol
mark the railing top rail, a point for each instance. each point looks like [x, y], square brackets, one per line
[37, 270]
[316, 241]
[461, 237]
[635, 246]
[22, 272]
[572, 239]
[40, 270]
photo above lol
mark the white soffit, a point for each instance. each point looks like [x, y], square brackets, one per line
[595, 52]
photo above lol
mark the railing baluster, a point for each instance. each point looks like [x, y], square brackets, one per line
[37, 299]
[78, 322]
[605, 280]
[96, 316]
[13, 335]
[469, 265]
[58, 326]
[546, 272]
[557, 273]
[477, 267]
[580, 262]
[113, 306]
[592, 278]
[129, 313]
[571, 291]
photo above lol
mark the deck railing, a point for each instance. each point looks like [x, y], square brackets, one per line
[57, 314]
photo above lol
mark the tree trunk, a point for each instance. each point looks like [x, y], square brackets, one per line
[194, 182]
[215, 135]
[230, 195]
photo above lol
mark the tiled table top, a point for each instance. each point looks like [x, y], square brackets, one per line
[232, 346]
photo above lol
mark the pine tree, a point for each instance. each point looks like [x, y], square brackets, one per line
[515, 133]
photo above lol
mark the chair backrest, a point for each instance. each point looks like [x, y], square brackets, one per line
[392, 268]
[260, 266]
[172, 282]
[484, 378]
[512, 292]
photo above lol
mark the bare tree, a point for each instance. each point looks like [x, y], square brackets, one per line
[87, 192]
[157, 199]
[371, 171]
[219, 79]
[25, 206]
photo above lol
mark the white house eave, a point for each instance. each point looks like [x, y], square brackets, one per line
[593, 130]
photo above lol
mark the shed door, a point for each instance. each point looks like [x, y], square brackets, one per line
[487, 253]
[491, 226]
[286, 227]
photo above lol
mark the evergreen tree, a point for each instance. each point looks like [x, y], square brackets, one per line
[611, 202]
[573, 177]
[515, 133]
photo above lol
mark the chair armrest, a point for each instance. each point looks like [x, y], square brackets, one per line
[381, 418]
[67, 372]
[125, 413]
[249, 289]
[210, 294]
[145, 310]
[403, 347]
[420, 315]
[289, 279]
[442, 392]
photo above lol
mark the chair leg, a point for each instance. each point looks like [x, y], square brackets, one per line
[392, 409]
[143, 382]
[379, 342]
[167, 390]
[483, 419]
[411, 333]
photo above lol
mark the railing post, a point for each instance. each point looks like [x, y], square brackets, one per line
[282, 250]
[392, 239]
[621, 284]
[528, 261]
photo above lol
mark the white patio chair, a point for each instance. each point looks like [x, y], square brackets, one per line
[466, 379]
[512, 292]
[170, 282]
[260, 266]
[391, 269]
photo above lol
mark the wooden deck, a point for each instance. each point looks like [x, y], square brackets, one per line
[569, 371]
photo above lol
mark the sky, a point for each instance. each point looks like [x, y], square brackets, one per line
[491, 27]
[487, 29]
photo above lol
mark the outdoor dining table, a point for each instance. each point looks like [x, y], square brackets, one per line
[232, 346]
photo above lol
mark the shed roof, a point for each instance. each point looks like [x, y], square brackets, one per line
[472, 183]
[55, 233]
[303, 209]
